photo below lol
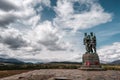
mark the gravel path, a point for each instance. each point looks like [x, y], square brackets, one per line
[69, 74]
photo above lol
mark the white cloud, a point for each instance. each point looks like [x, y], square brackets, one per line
[110, 52]
[93, 14]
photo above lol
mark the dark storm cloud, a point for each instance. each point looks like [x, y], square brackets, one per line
[7, 6]
[7, 19]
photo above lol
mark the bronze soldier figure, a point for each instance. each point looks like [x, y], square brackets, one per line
[87, 42]
[93, 43]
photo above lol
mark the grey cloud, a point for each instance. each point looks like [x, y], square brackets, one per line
[14, 43]
[37, 49]
[51, 43]
[52, 46]
[7, 19]
[34, 50]
[56, 48]
[7, 6]
[13, 39]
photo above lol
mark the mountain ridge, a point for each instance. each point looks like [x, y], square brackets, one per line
[10, 60]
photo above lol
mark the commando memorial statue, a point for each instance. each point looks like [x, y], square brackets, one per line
[90, 42]
[90, 59]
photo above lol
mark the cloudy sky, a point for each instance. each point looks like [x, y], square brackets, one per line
[53, 30]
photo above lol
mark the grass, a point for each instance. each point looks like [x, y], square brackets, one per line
[111, 67]
[9, 70]
[6, 73]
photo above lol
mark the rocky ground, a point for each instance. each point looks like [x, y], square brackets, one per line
[66, 74]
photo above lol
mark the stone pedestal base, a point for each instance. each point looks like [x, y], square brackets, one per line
[91, 62]
[91, 68]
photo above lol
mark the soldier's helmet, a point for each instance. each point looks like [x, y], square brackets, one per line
[85, 34]
[88, 36]
[91, 33]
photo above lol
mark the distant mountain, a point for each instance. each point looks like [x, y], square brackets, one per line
[103, 62]
[10, 60]
[67, 62]
[115, 62]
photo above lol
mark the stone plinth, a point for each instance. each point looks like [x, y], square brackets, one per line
[91, 62]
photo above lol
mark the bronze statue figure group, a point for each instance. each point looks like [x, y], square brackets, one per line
[90, 58]
[90, 42]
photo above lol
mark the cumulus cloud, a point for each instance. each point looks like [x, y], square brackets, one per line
[12, 38]
[93, 14]
[110, 52]
[6, 19]
[41, 39]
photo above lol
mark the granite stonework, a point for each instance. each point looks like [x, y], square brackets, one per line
[91, 62]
